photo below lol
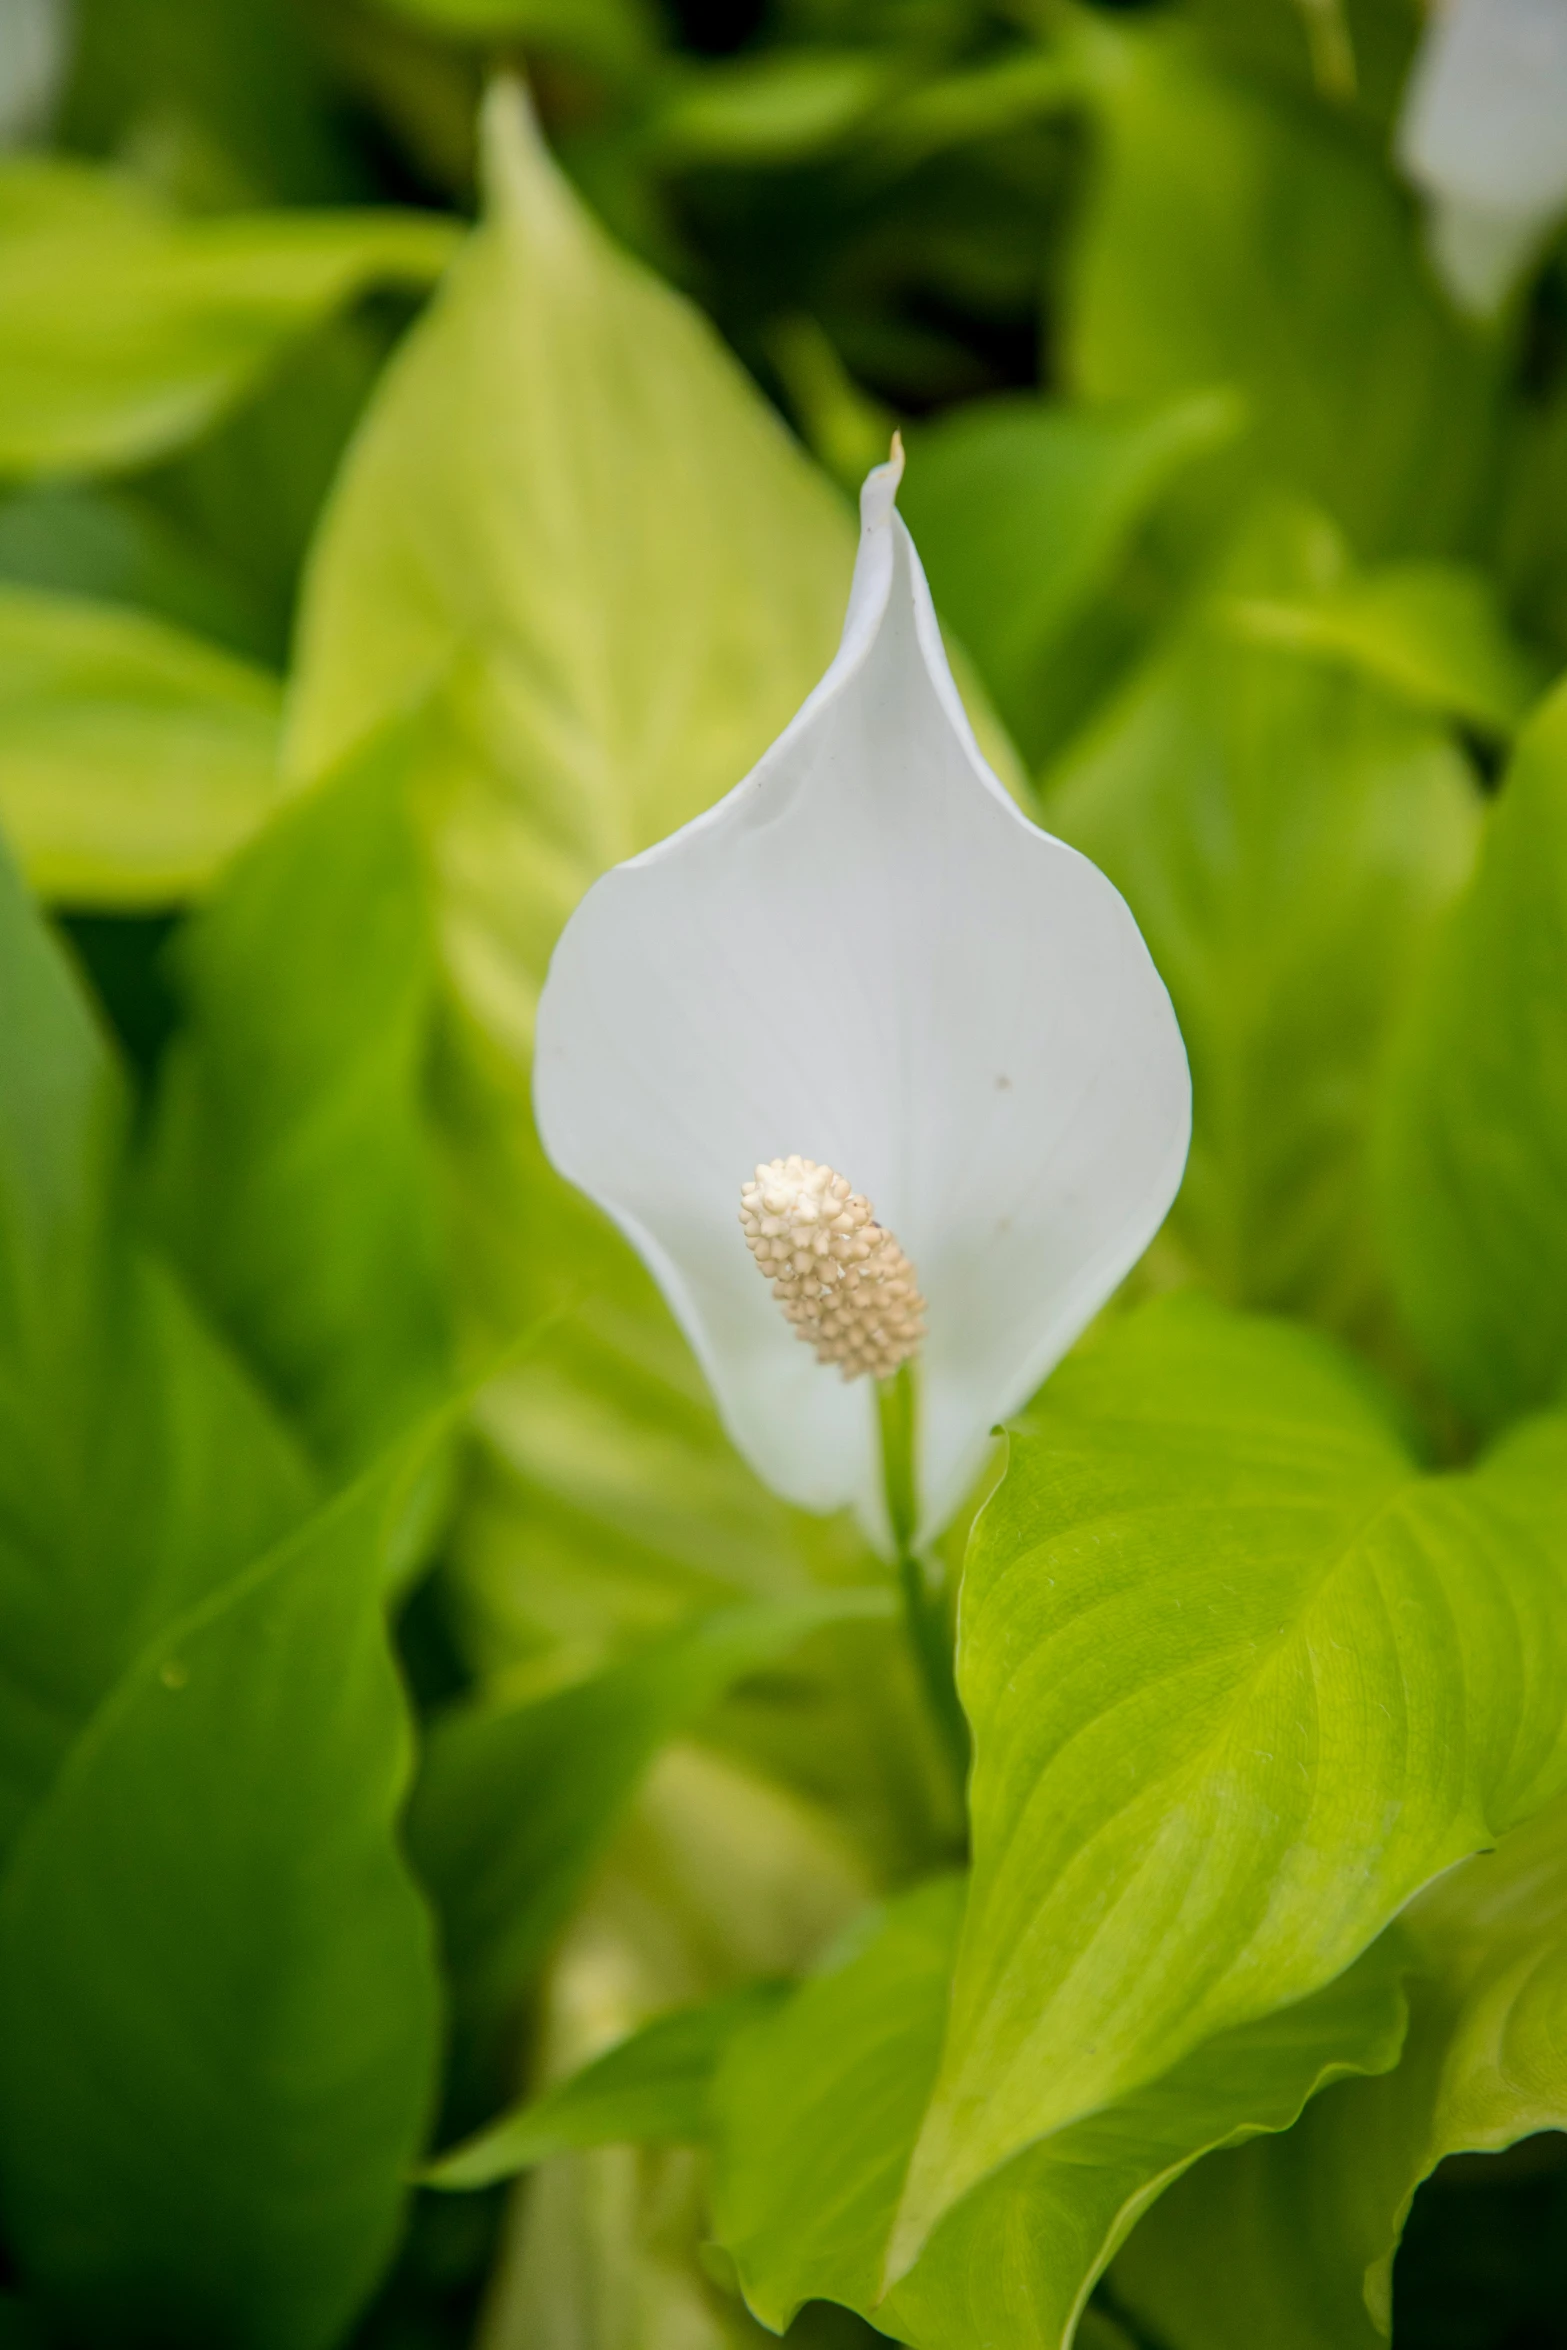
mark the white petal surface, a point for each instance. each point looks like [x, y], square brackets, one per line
[868, 955]
[1484, 132]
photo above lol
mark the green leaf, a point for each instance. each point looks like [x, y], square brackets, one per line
[133, 758]
[290, 1175]
[817, 2109]
[1245, 236]
[105, 542]
[615, 34]
[1018, 2256]
[571, 518]
[1241, 1681]
[650, 2089]
[1433, 632]
[1287, 834]
[770, 109]
[127, 330]
[218, 2002]
[515, 1804]
[1304, 2229]
[1472, 1155]
[1022, 512]
[137, 1468]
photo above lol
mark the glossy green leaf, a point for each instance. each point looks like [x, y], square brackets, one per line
[650, 2089]
[816, 2112]
[125, 330]
[133, 758]
[1241, 1681]
[570, 516]
[1431, 631]
[1244, 236]
[218, 2001]
[138, 1470]
[1473, 1146]
[515, 1804]
[1022, 512]
[1304, 2229]
[290, 1174]
[1287, 834]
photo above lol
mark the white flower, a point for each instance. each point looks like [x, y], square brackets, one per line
[867, 957]
[1484, 132]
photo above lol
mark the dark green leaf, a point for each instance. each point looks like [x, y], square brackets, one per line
[217, 1991]
[290, 1175]
[137, 1469]
[1472, 1166]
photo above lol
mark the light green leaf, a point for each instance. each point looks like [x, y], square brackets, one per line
[218, 2000]
[817, 2109]
[1022, 512]
[290, 1176]
[1304, 2229]
[137, 1468]
[1287, 834]
[125, 330]
[133, 758]
[1433, 632]
[515, 1804]
[570, 517]
[650, 2089]
[1472, 1162]
[1018, 2257]
[1241, 1681]
[1242, 235]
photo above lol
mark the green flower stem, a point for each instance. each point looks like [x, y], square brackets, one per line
[920, 1579]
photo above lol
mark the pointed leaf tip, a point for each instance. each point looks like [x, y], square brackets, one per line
[879, 495]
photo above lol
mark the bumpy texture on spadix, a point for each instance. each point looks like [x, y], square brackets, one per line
[840, 1277]
[869, 955]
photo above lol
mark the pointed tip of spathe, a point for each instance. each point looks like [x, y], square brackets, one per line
[879, 495]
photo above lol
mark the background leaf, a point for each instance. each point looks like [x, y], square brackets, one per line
[1287, 835]
[126, 330]
[138, 1470]
[134, 759]
[1473, 1147]
[1023, 514]
[219, 1998]
[515, 1805]
[290, 1173]
[1238, 235]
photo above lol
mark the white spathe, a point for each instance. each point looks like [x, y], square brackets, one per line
[868, 955]
[1483, 131]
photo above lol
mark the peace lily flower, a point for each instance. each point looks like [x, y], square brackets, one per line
[865, 1027]
[1484, 132]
